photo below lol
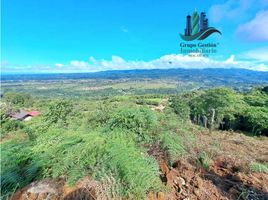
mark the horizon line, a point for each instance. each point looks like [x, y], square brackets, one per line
[138, 69]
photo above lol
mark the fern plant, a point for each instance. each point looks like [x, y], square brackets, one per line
[17, 166]
[141, 121]
[172, 143]
[133, 168]
[68, 154]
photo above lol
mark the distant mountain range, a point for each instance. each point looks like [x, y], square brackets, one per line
[216, 75]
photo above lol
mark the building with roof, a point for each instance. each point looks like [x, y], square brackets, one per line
[23, 115]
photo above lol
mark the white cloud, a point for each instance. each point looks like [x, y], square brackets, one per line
[77, 63]
[230, 9]
[256, 29]
[59, 65]
[231, 60]
[236, 10]
[261, 67]
[259, 55]
[191, 61]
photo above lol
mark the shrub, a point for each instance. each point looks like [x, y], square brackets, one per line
[75, 155]
[17, 167]
[58, 111]
[137, 172]
[145, 101]
[139, 120]
[8, 125]
[217, 104]
[172, 143]
[70, 154]
[100, 116]
[181, 108]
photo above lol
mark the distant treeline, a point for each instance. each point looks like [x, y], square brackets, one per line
[225, 109]
[219, 76]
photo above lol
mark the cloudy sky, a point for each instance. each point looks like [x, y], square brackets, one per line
[48, 36]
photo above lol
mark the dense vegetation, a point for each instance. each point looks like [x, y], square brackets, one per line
[111, 138]
[102, 141]
[225, 109]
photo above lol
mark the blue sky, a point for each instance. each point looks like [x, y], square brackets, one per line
[86, 35]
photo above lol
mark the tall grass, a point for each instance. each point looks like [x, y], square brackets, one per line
[172, 143]
[136, 170]
[17, 167]
[259, 167]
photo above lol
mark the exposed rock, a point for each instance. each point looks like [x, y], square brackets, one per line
[161, 196]
[56, 190]
[158, 196]
[179, 181]
[39, 190]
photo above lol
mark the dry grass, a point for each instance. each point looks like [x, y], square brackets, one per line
[241, 148]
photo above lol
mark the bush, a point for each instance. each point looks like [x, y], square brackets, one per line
[256, 120]
[138, 120]
[17, 167]
[146, 101]
[11, 125]
[172, 143]
[100, 116]
[70, 154]
[225, 103]
[58, 111]
[8, 125]
[226, 109]
[75, 155]
[181, 108]
[137, 172]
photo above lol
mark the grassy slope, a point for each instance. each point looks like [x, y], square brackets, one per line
[86, 148]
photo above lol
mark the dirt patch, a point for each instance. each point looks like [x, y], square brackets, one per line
[221, 182]
[161, 106]
[235, 184]
[228, 176]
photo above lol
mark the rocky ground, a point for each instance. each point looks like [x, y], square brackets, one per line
[228, 175]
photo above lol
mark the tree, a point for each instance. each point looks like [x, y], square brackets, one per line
[181, 108]
[257, 97]
[265, 89]
[256, 120]
[18, 99]
[218, 104]
[58, 111]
